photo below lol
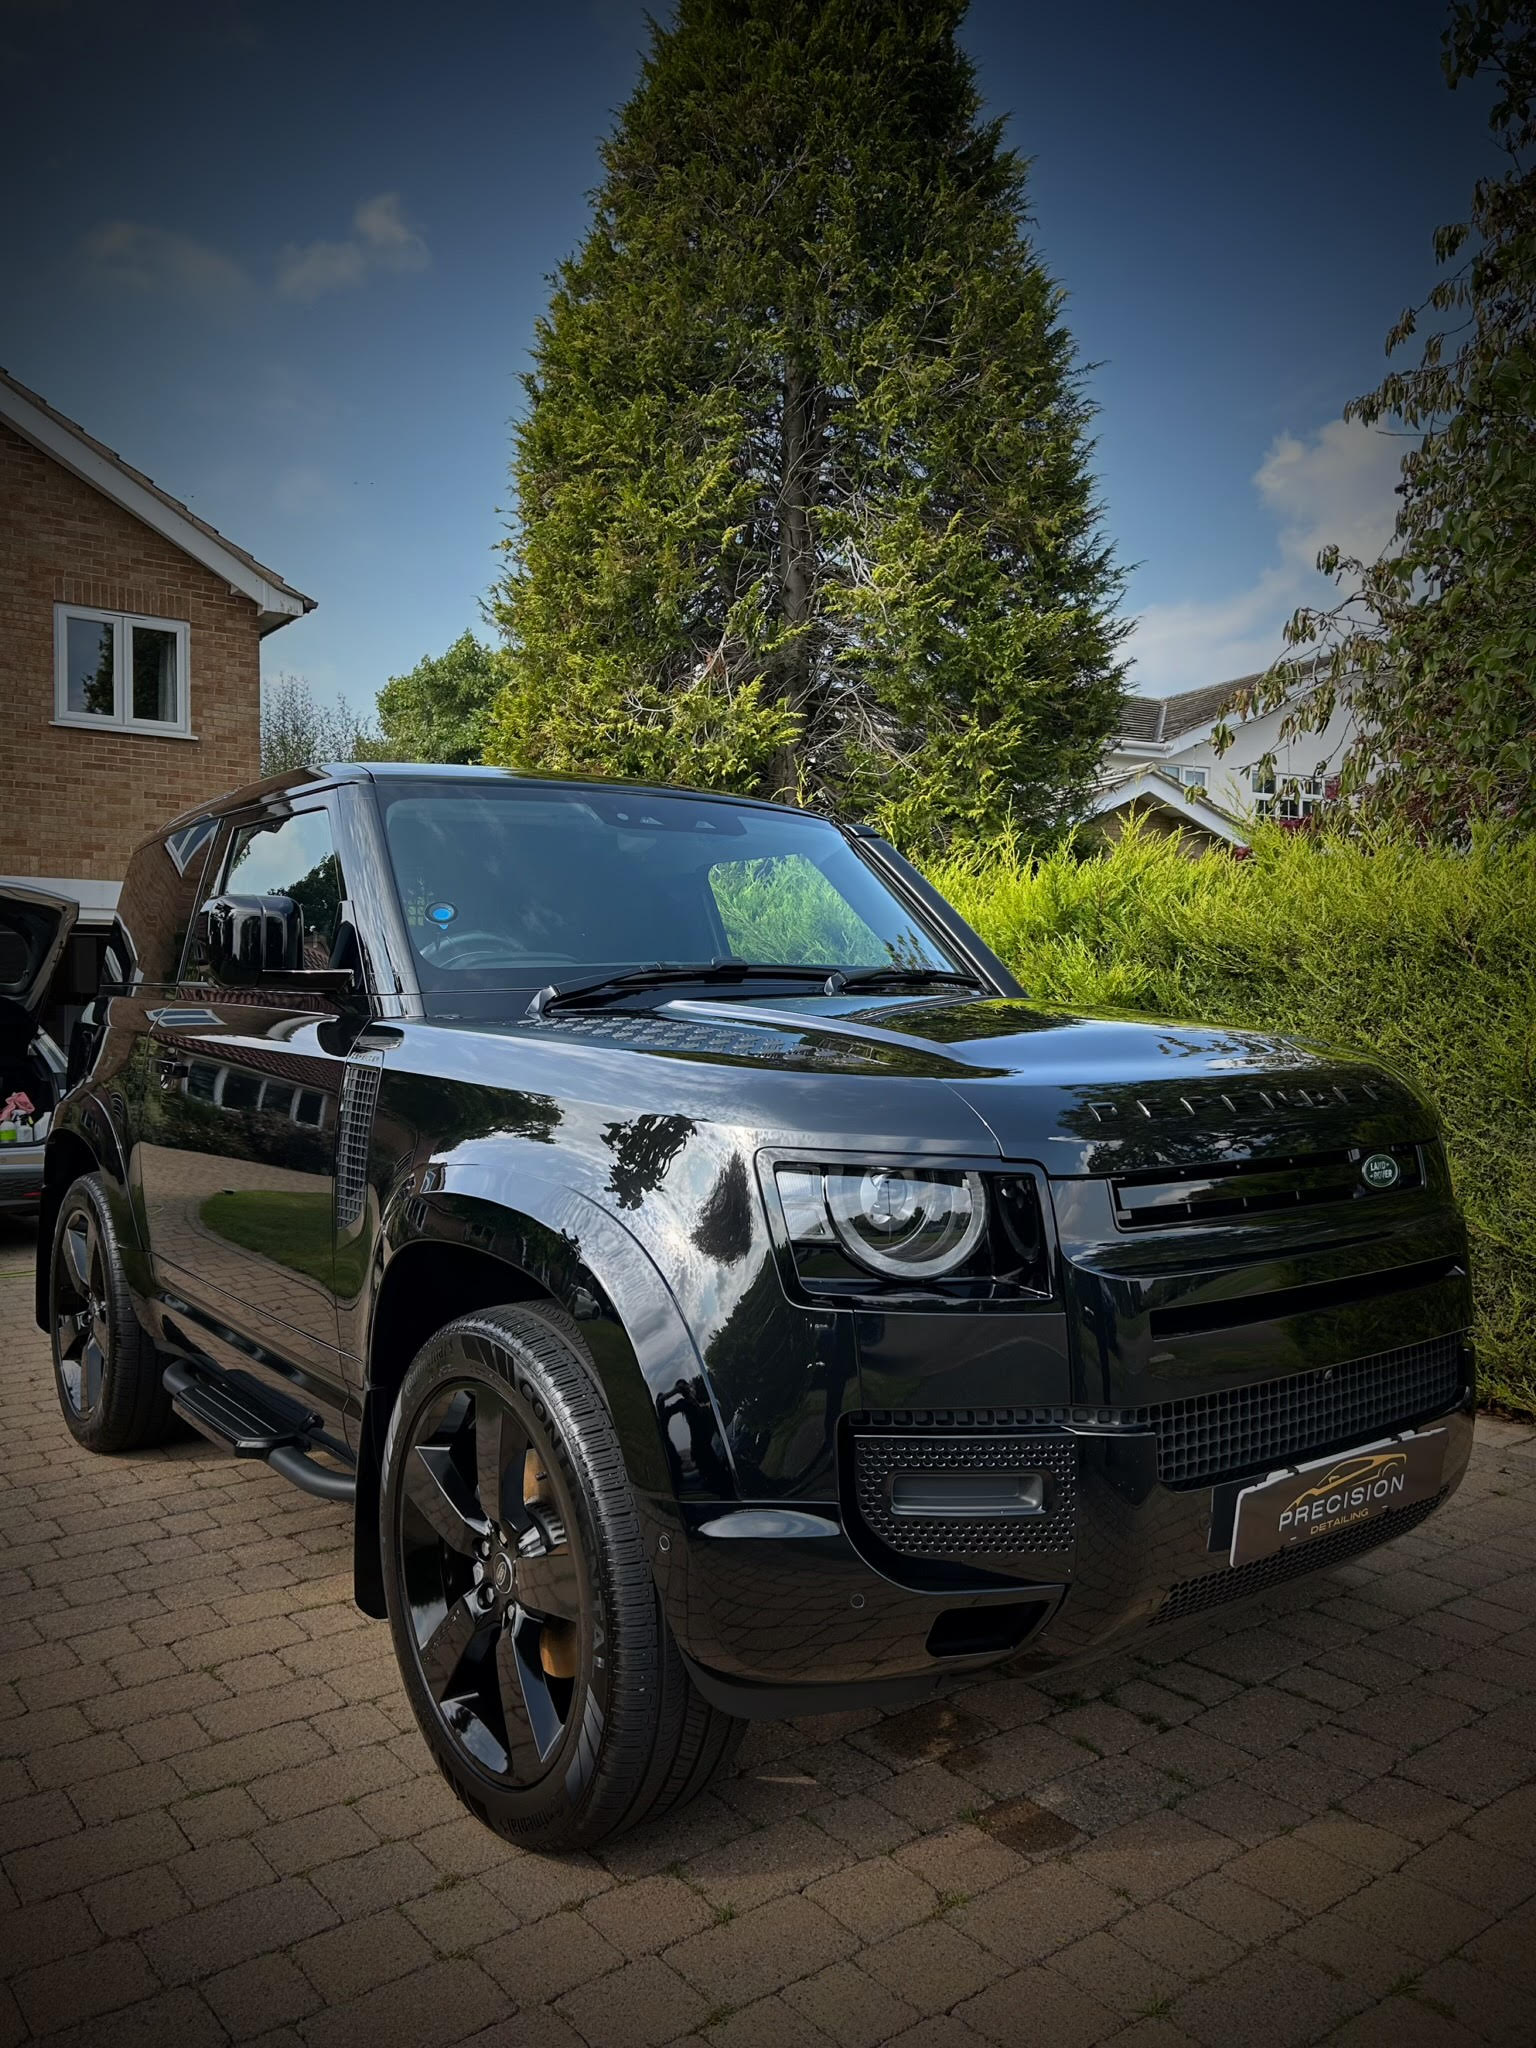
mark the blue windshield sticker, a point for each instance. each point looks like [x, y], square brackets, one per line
[442, 913]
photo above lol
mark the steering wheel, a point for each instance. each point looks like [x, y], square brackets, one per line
[469, 950]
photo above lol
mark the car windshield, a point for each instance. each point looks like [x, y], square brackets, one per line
[517, 886]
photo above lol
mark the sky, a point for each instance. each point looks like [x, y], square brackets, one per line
[288, 260]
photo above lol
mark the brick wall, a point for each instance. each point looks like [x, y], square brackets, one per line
[73, 802]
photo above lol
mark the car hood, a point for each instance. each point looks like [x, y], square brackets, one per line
[1096, 1094]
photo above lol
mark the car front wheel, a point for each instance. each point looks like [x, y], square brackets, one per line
[524, 1612]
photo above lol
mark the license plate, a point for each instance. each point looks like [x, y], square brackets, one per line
[1337, 1493]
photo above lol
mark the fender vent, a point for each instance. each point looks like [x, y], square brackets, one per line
[359, 1099]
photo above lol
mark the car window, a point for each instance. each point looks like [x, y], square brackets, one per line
[515, 886]
[783, 908]
[160, 896]
[294, 857]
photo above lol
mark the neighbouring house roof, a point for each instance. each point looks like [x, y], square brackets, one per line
[276, 601]
[1156, 721]
[1155, 786]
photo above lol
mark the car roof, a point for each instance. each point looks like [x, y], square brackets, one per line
[296, 781]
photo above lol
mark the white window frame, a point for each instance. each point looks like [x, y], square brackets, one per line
[1290, 799]
[120, 720]
[1192, 778]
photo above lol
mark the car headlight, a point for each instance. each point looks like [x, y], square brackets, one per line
[908, 1222]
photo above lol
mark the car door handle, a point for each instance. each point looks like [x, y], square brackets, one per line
[172, 1071]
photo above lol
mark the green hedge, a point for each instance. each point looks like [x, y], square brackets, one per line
[1425, 959]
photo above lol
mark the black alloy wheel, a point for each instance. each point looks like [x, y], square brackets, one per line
[525, 1614]
[494, 1574]
[82, 1324]
[105, 1366]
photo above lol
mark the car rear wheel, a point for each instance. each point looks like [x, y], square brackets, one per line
[106, 1368]
[525, 1616]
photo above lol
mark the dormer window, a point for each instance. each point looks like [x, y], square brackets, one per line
[117, 670]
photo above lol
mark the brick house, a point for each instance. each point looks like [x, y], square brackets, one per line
[130, 664]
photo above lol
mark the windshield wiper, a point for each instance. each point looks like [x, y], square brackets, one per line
[660, 974]
[840, 979]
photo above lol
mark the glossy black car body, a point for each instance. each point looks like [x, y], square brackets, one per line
[1212, 1290]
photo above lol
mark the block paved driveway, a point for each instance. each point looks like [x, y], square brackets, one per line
[1313, 1820]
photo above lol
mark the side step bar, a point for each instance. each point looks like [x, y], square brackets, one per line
[221, 1411]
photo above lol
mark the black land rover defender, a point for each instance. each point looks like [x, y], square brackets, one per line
[718, 1288]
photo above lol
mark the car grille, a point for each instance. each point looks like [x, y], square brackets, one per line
[879, 1457]
[1215, 1589]
[1243, 1429]
[1253, 1428]
[1254, 1187]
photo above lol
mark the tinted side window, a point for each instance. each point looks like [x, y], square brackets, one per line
[295, 857]
[159, 899]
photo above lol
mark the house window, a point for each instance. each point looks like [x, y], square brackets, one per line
[1290, 798]
[1192, 778]
[111, 668]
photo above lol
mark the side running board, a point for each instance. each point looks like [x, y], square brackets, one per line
[221, 1411]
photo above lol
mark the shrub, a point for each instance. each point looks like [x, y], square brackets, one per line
[1422, 958]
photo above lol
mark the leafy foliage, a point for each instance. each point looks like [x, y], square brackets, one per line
[1421, 957]
[440, 709]
[299, 732]
[1436, 642]
[803, 490]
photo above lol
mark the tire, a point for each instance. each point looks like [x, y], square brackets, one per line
[525, 1616]
[106, 1369]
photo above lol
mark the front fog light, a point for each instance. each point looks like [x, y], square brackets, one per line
[905, 1221]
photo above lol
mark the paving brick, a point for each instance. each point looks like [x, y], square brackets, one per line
[654, 1912]
[178, 2017]
[638, 2006]
[33, 1935]
[847, 2006]
[1038, 1911]
[1040, 2004]
[86, 1856]
[1148, 1858]
[445, 2002]
[249, 1925]
[217, 1816]
[932, 1966]
[220, 1870]
[458, 1917]
[760, 1866]
[541, 1962]
[252, 1998]
[80, 1987]
[1425, 1921]
[124, 1905]
[346, 1961]
[761, 1951]
[875, 1898]
[382, 1876]
[1270, 1999]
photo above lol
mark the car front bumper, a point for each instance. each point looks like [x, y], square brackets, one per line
[782, 1611]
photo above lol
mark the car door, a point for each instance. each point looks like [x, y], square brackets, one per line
[238, 1129]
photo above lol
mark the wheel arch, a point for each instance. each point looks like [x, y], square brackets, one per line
[67, 1157]
[452, 1253]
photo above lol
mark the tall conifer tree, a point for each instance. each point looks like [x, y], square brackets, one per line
[804, 505]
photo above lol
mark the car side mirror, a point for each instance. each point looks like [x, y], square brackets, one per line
[253, 938]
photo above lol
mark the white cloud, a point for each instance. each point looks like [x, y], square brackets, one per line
[128, 254]
[1335, 485]
[380, 240]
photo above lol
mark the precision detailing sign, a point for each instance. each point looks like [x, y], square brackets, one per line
[1335, 1494]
